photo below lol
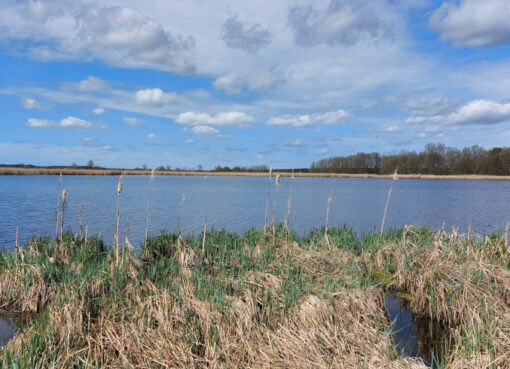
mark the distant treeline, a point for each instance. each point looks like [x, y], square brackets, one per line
[257, 169]
[435, 159]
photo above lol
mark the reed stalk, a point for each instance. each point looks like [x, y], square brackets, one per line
[273, 218]
[267, 196]
[289, 204]
[64, 200]
[16, 246]
[81, 223]
[119, 190]
[205, 232]
[394, 179]
[58, 204]
[148, 205]
[326, 238]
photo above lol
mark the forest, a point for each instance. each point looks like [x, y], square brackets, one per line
[435, 159]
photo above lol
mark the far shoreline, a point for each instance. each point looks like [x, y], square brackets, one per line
[116, 172]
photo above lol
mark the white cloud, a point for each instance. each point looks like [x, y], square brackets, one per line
[306, 120]
[232, 118]
[153, 97]
[245, 36]
[474, 23]
[92, 84]
[107, 147]
[151, 136]
[73, 122]
[131, 121]
[341, 23]
[39, 123]
[98, 111]
[233, 84]
[119, 36]
[189, 142]
[295, 143]
[390, 129]
[475, 112]
[29, 103]
[205, 130]
[260, 156]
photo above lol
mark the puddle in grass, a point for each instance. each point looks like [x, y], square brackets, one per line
[11, 325]
[415, 336]
[8, 329]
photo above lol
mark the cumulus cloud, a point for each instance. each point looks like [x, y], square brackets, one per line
[342, 23]
[73, 122]
[232, 118]
[245, 36]
[28, 103]
[233, 84]
[150, 136]
[481, 112]
[205, 131]
[39, 123]
[295, 143]
[189, 142]
[92, 84]
[153, 97]
[331, 117]
[473, 23]
[131, 121]
[125, 37]
[118, 36]
[98, 111]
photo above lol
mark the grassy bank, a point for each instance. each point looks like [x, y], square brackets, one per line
[116, 172]
[256, 300]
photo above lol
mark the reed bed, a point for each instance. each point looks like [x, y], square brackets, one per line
[257, 300]
[117, 172]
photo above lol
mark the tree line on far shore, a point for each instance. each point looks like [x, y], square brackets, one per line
[435, 159]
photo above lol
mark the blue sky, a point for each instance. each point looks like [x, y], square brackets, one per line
[188, 83]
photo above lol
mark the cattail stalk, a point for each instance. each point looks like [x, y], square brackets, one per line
[289, 204]
[273, 218]
[394, 179]
[16, 244]
[179, 220]
[64, 200]
[58, 204]
[205, 231]
[267, 197]
[148, 206]
[119, 190]
[326, 238]
[81, 224]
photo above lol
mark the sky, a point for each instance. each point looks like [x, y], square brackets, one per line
[282, 83]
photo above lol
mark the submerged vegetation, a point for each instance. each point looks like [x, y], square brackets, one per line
[258, 300]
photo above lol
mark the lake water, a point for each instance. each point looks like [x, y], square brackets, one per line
[239, 203]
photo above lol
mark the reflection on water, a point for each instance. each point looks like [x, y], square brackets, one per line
[238, 204]
[415, 336]
[7, 329]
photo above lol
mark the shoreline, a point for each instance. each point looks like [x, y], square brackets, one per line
[116, 172]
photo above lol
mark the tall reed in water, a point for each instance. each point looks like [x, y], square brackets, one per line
[289, 204]
[58, 204]
[148, 205]
[64, 200]
[267, 197]
[119, 190]
[394, 179]
[273, 218]
[326, 238]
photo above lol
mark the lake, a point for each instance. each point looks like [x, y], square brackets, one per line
[239, 203]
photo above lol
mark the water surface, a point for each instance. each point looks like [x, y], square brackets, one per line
[239, 203]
